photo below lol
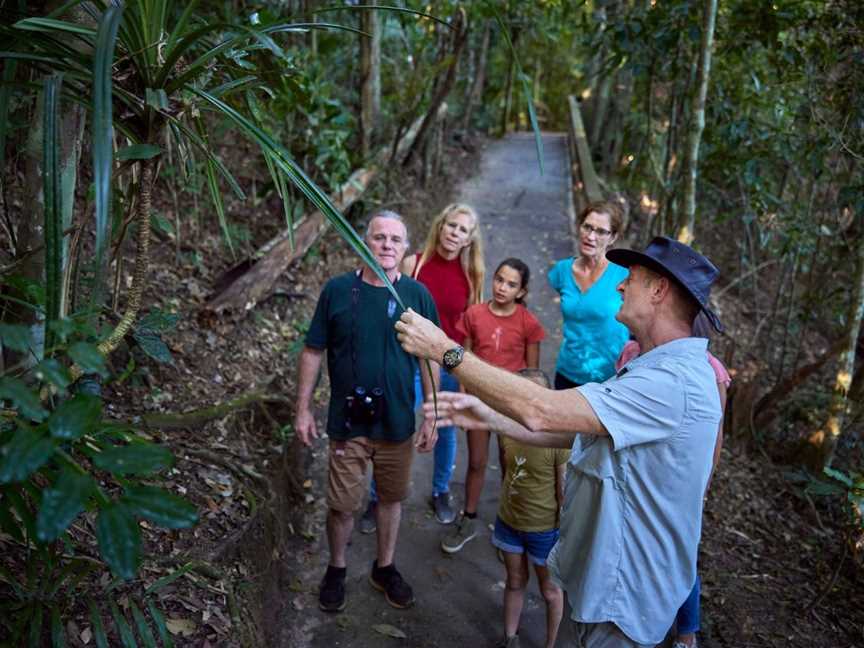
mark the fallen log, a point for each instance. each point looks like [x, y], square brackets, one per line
[195, 418]
[245, 291]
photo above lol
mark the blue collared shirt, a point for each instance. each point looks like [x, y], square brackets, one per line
[632, 512]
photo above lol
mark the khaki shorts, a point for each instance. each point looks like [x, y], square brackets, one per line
[601, 635]
[391, 467]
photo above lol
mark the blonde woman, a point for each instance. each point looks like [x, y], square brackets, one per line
[452, 268]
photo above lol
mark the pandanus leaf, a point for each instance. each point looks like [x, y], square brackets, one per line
[53, 211]
[304, 184]
[103, 132]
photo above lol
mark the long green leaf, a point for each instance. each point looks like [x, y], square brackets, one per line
[35, 637]
[103, 134]
[169, 578]
[202, 146]
[141, 623]
[526, 90]
[307, 187]
[99, 635]
[126, 636]
[159, 622]
[213, 187]
[51, 25]
[420, 14]
[53, 210]
[58, 635]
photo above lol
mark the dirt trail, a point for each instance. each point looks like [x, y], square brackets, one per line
[459, 597]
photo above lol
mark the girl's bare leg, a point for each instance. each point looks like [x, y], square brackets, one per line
[478, 456]
[554, 603]
[514, 590]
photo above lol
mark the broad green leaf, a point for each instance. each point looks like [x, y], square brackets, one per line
[134, 459]
[50, 370]
[58, 635]
[144, 631]
[159, 622]
[138, 152]
[153, 346]
[75, 417]
[119, 540]
[61, 503]
[23, 398]
[98, 628]
[28, 451]
[15, 337]
[160, 506]
[158, 320]
[122, 625]
[87, 357]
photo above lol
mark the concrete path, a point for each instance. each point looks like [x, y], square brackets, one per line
[459, 597]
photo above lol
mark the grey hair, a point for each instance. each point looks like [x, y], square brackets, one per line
[390, 214]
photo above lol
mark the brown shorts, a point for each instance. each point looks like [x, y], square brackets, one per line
[391, 467]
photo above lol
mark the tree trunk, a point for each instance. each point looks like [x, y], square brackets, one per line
[824, 440]
[694, 136]
[460, 35]
[370, 77]
[477, 86]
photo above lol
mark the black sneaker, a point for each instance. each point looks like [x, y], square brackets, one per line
[368, 522]
[331, 595]
[388, 580]
[444, 513]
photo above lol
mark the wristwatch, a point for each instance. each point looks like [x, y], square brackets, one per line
[453, 357]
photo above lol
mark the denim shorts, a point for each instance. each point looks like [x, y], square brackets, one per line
[537, 544]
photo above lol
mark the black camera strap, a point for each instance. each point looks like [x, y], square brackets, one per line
[355, 316]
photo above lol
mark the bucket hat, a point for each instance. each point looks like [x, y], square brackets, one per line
[692, 271]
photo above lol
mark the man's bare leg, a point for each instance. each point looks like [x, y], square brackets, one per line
[389, 515]
[339, 526]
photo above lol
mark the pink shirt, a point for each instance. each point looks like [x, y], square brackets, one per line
[631, 350]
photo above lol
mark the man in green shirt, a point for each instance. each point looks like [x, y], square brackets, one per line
[371, 415]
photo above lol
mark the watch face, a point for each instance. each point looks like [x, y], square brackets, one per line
[452, 357]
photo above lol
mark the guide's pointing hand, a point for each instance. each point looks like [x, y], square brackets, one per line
[421, 338]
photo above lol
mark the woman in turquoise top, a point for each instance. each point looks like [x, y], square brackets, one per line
[588, 284]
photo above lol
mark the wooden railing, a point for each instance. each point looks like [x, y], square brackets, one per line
[586, 187]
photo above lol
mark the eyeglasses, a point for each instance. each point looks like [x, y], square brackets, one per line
[590, 229]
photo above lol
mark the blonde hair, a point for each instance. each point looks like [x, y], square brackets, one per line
[470, 256]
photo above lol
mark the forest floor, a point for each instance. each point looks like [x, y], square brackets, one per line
[253, 564]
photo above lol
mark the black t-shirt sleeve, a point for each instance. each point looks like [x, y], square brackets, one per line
[316, 336]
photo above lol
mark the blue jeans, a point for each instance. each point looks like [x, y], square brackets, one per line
[445, 448]
[687, 621]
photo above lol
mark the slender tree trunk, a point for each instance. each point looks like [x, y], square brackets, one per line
[824, 440]
[370, 77]
[694, 136]
[479, 77]
[508, 90]
[460, 35]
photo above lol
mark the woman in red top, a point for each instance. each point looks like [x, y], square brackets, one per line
[451, 266]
